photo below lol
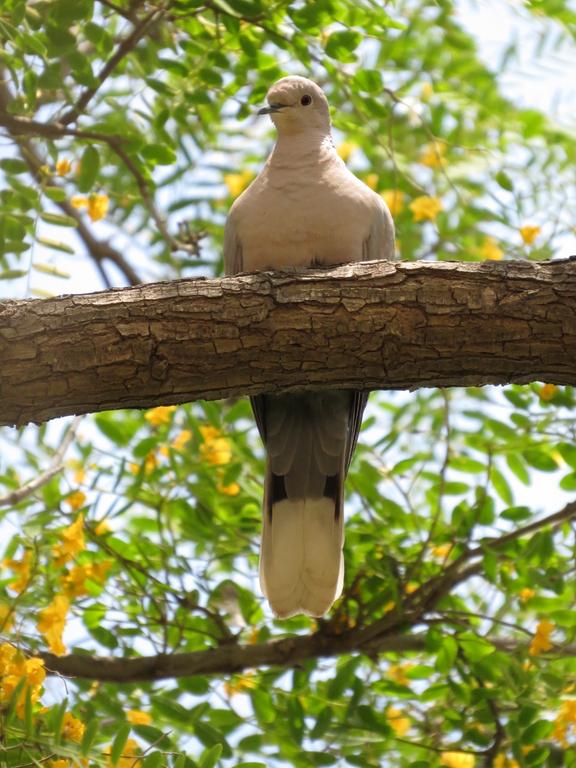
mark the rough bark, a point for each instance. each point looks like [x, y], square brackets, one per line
[375, 325]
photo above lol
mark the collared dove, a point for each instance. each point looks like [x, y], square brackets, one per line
[305, 209]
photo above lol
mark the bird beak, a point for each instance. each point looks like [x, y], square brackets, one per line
[272, 108]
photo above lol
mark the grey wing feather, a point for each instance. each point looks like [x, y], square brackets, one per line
[380, 241]
[232, 248]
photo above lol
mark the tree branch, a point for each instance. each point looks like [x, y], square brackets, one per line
[99, 250]
[376, 325]
[56, 465]
[123, 49]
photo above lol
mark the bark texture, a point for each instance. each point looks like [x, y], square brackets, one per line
[376, 325]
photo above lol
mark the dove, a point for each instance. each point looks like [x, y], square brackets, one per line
[305, 209]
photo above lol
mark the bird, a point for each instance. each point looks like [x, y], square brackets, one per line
[305, 209]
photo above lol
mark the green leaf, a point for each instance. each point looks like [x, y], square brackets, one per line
[92, 728]
[153, 760]
[89, 167]
[119, 743]
[59, 219]
[340, 45]
[57, 194]
[210, 756]
[159, 154]
[55, 245]
[540, 460]
[446, 655]
[504, 181]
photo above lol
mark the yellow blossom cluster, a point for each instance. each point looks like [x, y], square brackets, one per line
[63, 166]
[547, 392]
[457, 760]
[441, 551]
[433, 155]
[565, 722]
[215, 448]
[76, 500]
[236, 183]
[74, 581]
[129, 757]
[52, 621]
[394, 199]
[501, 761]
[22, 568]
[541, 640]
[181, 440]
[398, 721]
[526, 594]
[346, 150]
[72, 728]
[137, 717]
[490, 249]
[96, 205]
[425, 208]
[397, 672]
[72, 542]
[529, 233]
[239, 684]
[160, 415]
[14, 667]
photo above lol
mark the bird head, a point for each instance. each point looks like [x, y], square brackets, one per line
[296, 105]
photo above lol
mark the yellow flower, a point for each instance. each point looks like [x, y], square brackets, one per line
[394, 199]
[442, 550]
[128, 758]
[426, 92]
[547, 392]
[52, 622]
[526, 594]
[137, 717]
[76, 500]
[181, 439]
[72, 728]
[72, 541]
[161, 415]
[78, 201]
[425, 208]
[98, 206]
[397, 672]
[433, 155]
[14, 668]
[22, 568]
[63, 166]
[371, 180]
[6, 617]
[150, 463]
[239, 684]
[529, 233]
[237, 182]
[164, 451]
[411, 587]
[502, 761]
[565, 721]
[457, 760]
[541, 640]
[389, 606]
[215, 448]
[233, 489]
[346, 149]
[490, 249]
[399, 723]
[61, 763]
[102, 527]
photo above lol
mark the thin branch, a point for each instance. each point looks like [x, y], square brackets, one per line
[124, 48]
[55, 467]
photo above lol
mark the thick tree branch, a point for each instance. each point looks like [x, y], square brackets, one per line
[231, 659]
[376, 325]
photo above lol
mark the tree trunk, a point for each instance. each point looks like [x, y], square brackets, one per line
[376, 325]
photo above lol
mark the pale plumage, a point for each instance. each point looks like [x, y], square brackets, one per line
[305, 209]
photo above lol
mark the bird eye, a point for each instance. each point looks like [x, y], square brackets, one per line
[306, 100]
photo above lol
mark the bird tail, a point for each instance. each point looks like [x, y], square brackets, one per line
[301, 562]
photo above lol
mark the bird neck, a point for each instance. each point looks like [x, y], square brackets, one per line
[302, 148]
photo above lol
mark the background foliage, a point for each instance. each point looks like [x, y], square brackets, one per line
[127, 131]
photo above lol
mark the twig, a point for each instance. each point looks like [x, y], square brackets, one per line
[55, 467]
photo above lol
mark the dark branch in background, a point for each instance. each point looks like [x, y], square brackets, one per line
[124, 48]
[389, 634]
[56, 466]
[98, 250]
